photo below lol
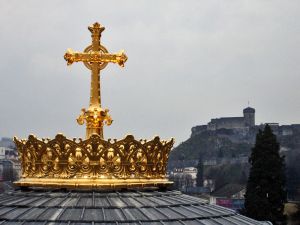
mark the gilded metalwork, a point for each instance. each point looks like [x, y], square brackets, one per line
[95, 57]
[94, 162]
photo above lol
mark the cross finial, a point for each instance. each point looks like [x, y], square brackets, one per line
[95, 57]
[96, 29]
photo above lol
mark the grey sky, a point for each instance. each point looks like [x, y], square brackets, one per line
[189, 61]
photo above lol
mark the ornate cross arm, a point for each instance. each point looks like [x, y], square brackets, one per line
[93, 56]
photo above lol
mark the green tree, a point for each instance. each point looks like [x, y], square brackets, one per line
[266, 195]
[199, 178]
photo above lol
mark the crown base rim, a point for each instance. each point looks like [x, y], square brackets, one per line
[94, 183]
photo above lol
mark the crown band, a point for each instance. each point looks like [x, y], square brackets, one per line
[93, 162]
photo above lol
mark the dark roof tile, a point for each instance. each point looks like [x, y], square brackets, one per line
[131, 207]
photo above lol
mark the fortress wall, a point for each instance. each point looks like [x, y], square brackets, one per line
[227, 123]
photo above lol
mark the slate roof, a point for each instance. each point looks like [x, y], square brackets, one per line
[56, 207]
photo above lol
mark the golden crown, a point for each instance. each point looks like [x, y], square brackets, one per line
[93, 163]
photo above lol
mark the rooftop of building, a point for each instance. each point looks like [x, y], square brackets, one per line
[228, 190]
[57, 207]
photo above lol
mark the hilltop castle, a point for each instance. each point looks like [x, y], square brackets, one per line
[243, 124]
[248, 120]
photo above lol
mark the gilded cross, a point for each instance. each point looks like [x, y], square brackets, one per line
[95, 57]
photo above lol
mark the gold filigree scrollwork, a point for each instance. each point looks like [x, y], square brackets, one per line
[94, 158]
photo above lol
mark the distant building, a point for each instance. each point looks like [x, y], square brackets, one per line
[230, 196]
[184, 178]
[248, 120]
[283, 130]
[16, 168]
[210, 162]
[7, 143]
[245, 122]
[7, 149]
[2, 153]
[6, 170]
[187, 170]
[8, 153]
[10, 168]
[243, 125]
[192, 171]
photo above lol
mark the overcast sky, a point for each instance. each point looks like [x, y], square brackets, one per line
[188, 62]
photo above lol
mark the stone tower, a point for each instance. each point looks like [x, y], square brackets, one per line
[249, 116]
